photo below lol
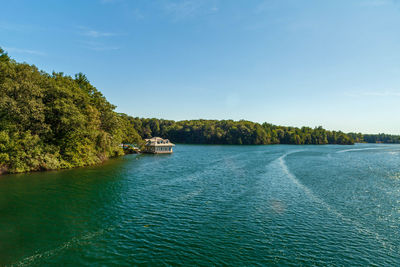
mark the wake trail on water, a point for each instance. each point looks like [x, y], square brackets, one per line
[192, 177]
[208, 168]
[358, 149]
[360, 228]
[52, 252]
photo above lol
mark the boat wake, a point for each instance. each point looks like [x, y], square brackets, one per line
[360, 228]
[76, 241]
[358, 149]
[208, 168]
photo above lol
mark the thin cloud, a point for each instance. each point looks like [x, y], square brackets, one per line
[4, 26]
[181, 10]
[377, 3]
[382, 94]
[263, 6]
[374, 94]
[23, 51]
[94, 33]
[109, 1]
[98, 46]
[96, 39]
[137, 14]
[214, 9]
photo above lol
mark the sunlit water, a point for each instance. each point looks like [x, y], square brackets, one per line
[210, 205]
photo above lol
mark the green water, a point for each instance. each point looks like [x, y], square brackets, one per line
[210, 205]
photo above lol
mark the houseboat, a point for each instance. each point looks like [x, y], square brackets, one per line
[157, 145]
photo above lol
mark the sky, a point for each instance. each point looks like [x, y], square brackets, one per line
[334, 64]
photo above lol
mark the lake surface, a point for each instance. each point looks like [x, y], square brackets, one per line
[210, 205]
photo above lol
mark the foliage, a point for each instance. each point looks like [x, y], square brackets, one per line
[375, 138]
[52, 121]
[235, 132]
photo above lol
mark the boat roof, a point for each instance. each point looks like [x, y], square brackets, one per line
[158, 141]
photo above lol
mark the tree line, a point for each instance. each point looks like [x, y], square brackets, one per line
[235, 132]
[375, 138]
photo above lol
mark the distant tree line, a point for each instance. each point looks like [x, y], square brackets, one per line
[235, 132]
[375, 138]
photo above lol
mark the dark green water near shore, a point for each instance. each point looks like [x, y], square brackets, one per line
[210, 205]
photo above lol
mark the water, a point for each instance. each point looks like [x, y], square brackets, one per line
[210, 205]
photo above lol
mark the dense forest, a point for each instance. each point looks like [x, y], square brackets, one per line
[235, 132]
[54, 121]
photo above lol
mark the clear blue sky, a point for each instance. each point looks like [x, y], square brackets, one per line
[330, 63]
